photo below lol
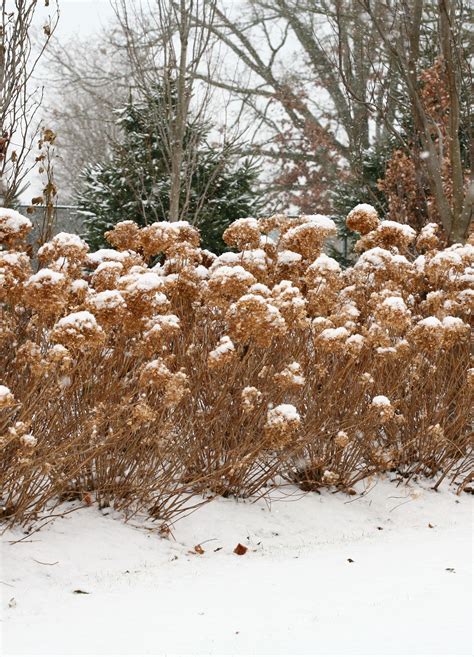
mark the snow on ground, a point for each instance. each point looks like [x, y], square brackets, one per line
[324, 574]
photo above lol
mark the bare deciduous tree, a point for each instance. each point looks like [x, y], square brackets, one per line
[354, 71]
[20, 98]
[89, 80]
[166, 49]
[439, 139]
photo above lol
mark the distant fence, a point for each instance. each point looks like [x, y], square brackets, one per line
[67, 219]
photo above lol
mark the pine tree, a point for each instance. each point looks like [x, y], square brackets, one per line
[134, 182]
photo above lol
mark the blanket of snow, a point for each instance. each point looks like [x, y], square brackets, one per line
[407, 589]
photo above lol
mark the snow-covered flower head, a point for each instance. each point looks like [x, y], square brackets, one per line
[363, 218]
[14, 227]
[281, 425]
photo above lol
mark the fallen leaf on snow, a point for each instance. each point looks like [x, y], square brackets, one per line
[350, 560]
[87, 499]
[12, 602]
[198, 549]
[240, 549]
[80, 591]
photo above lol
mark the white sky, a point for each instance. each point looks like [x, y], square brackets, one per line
[82, 17]
[77, 18]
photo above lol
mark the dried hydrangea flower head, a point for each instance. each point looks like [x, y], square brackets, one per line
[14, 227]
[387, 235]
[176, 390]
[251, 398]
[455, 331]
[342, 439]
[291, 303]
[290, 377]
[282, 425]
[254, 319]
[159, 330]
[29, 355]
[429, 238]
[391, 312]
[127, 259]
[323, 270]
[28, 441]
[15, 268]
[383, 407]
[185, 233]
[108, 307]
[125, 235]
[143, 293]
[155, 374]
[289, 265]
[47, 291]
[60, 357]
[106, 276]
[7, 400]
[363, 219]
[161, 236]
[181, 255]
[277, 223]
[243, 234]
[227, 284]
[157, 238]
[64, 245]
[223, 354]
[332, 339]
[308, 237]
[78, 331]
[427, 334]
[257, 262]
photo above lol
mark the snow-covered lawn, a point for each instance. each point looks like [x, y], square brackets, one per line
[385, 573]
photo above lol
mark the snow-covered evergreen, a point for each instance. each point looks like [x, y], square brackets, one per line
[134, 183]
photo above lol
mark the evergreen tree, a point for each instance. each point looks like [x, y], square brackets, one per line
[134, 182]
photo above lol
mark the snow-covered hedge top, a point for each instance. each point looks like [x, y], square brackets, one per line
[283, 413]
[381, 400]
[13, 223]
[45, 275]
[5, 393]
[104, 255]
[83, 319]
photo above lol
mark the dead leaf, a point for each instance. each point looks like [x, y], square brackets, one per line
[450, 570]
[217, 549]
[87, 499]
[430, 525]
[240, 549]
[351, 560]
[198, 549]
[12, 603]
[80, 591]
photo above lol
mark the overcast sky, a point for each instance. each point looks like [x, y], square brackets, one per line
[81, 17]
